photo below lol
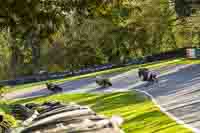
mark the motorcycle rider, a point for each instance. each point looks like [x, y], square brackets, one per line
[147, 75]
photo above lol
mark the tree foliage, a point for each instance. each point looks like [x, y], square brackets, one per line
[62, 34]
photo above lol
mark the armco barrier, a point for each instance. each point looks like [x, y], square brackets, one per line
[179, 53]
[57, 75]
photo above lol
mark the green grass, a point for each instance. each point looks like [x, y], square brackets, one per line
[190, 61]
[140, 114]
[4, 107]
[152, 65]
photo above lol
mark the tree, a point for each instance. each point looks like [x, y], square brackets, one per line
[61, 34]
[37, 21]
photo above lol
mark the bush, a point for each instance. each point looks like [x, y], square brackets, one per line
[8, 121]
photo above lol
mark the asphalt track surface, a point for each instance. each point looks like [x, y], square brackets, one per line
[178, 90]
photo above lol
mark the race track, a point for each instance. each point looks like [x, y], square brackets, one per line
[178, 90]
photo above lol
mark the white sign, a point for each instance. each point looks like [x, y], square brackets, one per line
[191, 53]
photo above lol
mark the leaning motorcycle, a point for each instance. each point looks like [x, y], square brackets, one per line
[54, 88]
[103, 82]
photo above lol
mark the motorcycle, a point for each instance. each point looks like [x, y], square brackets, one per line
[54, 88]
[147, 75]
[103, 82]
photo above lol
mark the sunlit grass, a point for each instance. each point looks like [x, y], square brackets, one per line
[190, 61]
[140, 114]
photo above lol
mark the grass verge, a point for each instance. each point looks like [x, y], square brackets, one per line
[140, 114]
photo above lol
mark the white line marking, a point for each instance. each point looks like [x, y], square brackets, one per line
[195, 130]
